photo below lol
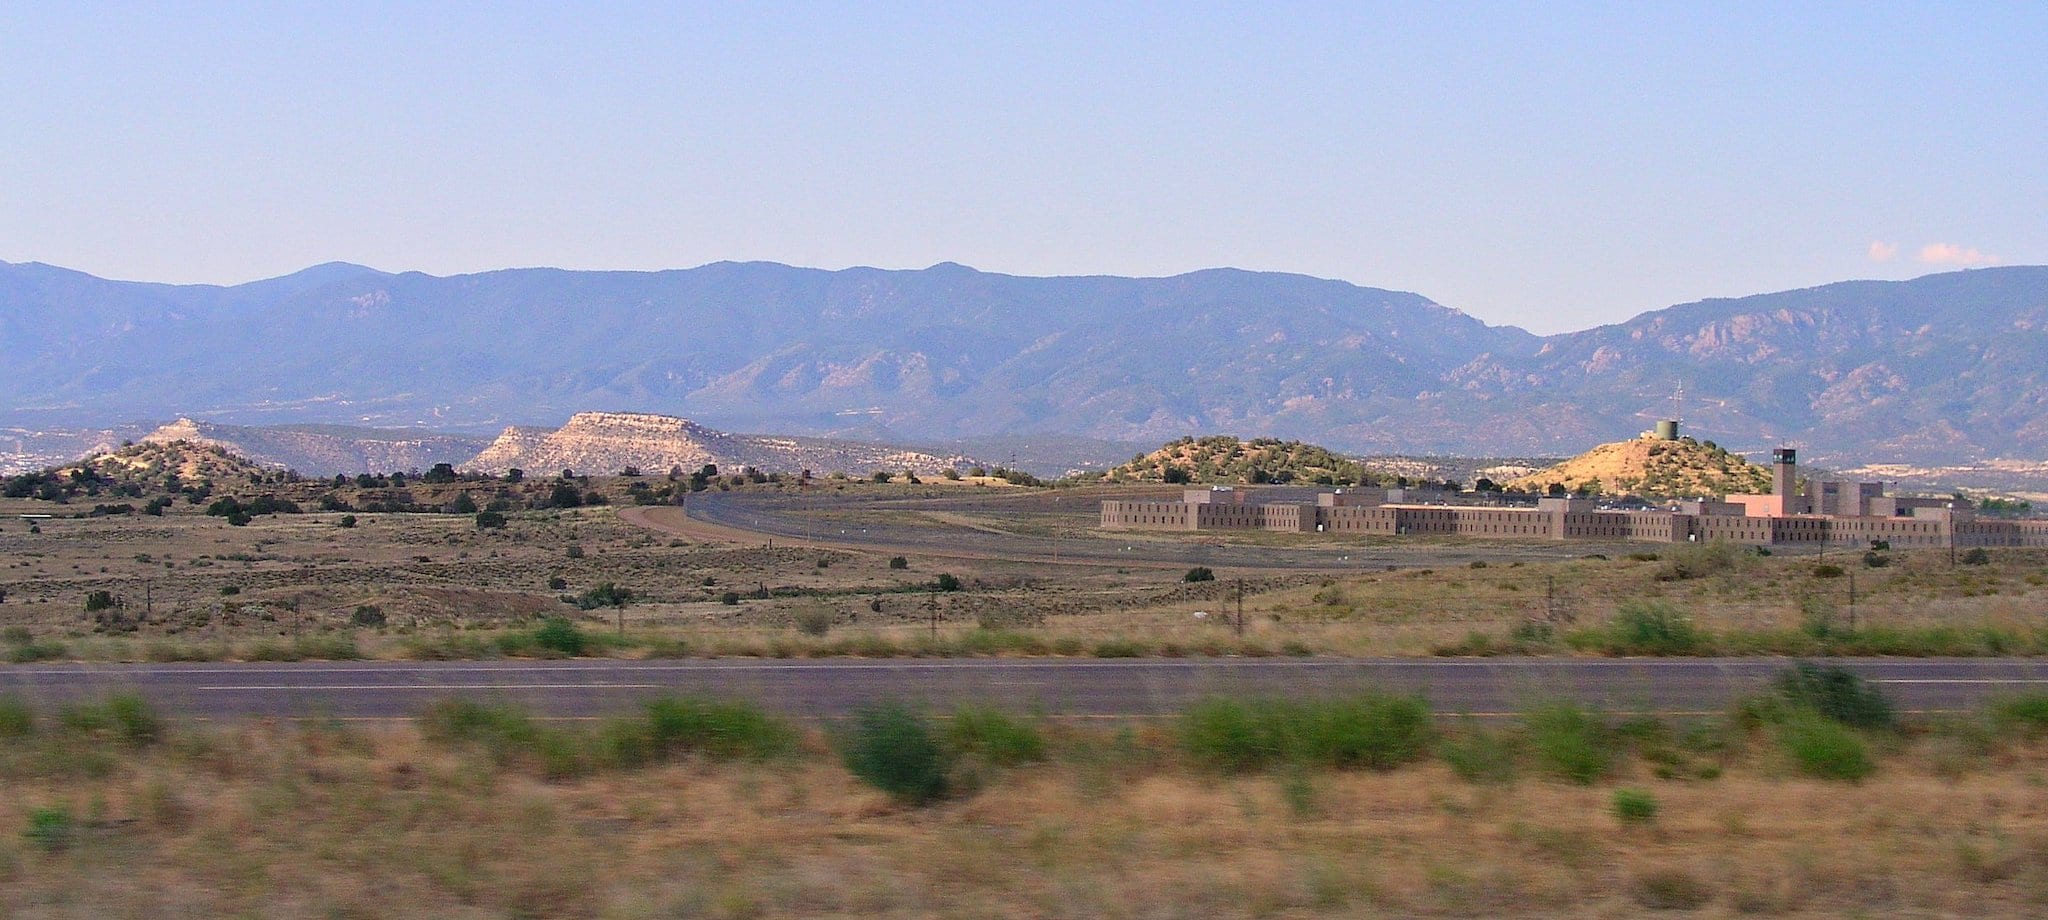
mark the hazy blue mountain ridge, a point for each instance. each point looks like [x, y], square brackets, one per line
[1939, 368]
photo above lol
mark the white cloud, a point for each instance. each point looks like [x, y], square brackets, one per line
[1951, 254]
[1881, 251]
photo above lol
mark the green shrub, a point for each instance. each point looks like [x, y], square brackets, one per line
[1373, 731]
[730, 599]
[328, 647]
[17, 720]
[946, 581]
[1837, 693]
[1977, 556]
[604, 595]
[1475, 644]
[1119, 648]
[898, 562]
[1532, 633]
[1827, 570]
[31, 652]
[507, 734]
[125, 717]
[1634, 806]
[669, 728]
[1199, 573]
[560, 754]
[50, 829]
[1824, 748]
[502, 729]
[558, 634]
[1671, 889]
[1231, 735]
[994, 737]
[1479, 755]
[1876, 560]
[368, 616]
[623, 743]
[727, 730]
[814, 622]
[894, 749]
[1699, 560]
[2028, 712]
[1570, 741]
[1653, 628]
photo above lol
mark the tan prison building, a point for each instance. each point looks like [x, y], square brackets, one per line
[1813, 513]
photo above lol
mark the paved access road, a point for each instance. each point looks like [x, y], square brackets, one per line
[1081, 688]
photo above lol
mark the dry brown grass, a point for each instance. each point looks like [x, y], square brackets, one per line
[433, 577]
[373, 821]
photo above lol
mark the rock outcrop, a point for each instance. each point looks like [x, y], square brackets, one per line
[608, 442]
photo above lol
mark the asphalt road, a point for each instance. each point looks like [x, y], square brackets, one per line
[1074, 688]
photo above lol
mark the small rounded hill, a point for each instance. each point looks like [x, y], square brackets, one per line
[1653, 468]
[1224, 459]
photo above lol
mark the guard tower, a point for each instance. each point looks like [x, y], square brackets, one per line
[1785, 473]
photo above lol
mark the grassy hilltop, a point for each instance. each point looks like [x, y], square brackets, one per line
[1226, 460]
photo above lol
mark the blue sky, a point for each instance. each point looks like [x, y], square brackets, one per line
[1553, 166]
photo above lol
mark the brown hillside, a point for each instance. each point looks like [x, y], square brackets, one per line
[1652, 468]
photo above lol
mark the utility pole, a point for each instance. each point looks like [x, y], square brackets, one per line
[1951, 524]
[1240, 608]
[932, 603]
[1055, 530]
[1852, 602]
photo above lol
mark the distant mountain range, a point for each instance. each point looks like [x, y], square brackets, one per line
[1943, 369]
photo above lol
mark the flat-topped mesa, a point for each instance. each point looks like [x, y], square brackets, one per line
[510, 449]
[603, 442]
[609, 442]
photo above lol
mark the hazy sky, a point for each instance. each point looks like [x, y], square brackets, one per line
[1548, 165]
